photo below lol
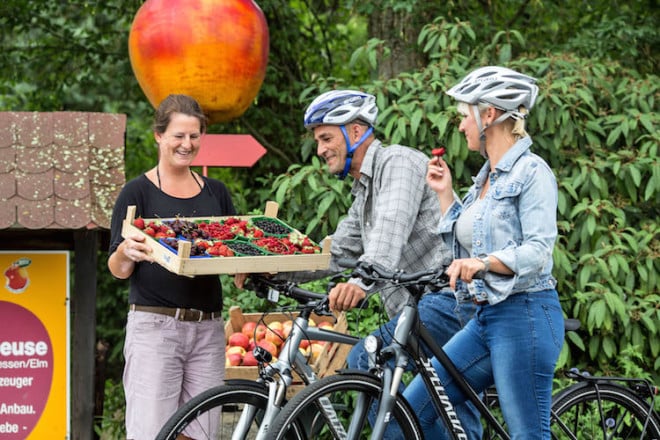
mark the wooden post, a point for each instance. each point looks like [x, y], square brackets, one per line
[83, 331]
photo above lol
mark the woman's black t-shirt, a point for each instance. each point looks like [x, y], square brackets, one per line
[150, 283]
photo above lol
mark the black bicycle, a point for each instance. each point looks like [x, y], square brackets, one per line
[244, 409]
[590, 409]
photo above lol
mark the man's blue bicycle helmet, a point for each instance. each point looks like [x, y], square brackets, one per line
[340, 107]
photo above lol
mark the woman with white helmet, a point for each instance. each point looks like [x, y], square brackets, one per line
[503, 229]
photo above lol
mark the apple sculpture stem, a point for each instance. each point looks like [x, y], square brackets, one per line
[213, 50]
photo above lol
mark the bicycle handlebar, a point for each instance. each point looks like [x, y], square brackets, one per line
[374, 272]
[261, 284]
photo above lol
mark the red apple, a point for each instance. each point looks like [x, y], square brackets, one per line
[235, 349]
[268, 346]
[275, 325]
[275, 336]
[233, 360]
[239, 339]
[325, 325]
[17, 278]
[260, 332]
[248, 329]
[315, 350]
[214, 50]
[286, 328]
[249, 360]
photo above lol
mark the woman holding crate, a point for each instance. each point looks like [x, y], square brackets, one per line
[175, 341]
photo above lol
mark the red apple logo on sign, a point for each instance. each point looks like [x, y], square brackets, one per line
[26, 371]
[16, 276]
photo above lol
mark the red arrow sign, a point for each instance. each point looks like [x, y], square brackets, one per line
[228, 150]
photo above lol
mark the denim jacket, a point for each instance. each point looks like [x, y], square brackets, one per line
[516, 223]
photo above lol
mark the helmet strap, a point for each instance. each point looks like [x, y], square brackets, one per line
[482, 129]
[350, 149]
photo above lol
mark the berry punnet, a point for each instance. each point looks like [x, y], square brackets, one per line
[271, 226]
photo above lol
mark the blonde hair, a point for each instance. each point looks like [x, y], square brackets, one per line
[517, 125]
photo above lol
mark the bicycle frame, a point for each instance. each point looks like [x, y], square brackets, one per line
[405, 345]
[278, 377]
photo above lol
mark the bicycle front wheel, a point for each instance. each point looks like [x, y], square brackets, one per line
[233, 410]
[337, 407]
[606, 411]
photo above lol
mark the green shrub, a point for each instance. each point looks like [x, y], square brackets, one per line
[595, 123]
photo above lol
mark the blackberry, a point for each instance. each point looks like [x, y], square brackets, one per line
[271, 227]
[243, 248]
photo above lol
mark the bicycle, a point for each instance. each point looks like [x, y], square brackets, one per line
[352, 393]
[243, 409]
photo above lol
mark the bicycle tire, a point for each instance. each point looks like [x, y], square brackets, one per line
[306, 407]
[576, 414]
[223, 404]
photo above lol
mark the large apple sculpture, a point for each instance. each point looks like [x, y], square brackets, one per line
[213, 50]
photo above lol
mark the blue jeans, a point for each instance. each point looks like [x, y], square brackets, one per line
[443, 317]
[514, 345]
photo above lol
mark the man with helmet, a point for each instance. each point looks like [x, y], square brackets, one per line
[392, 220]
[504, 228]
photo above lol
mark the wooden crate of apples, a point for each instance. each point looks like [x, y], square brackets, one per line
[271, 330]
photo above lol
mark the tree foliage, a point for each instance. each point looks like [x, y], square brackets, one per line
[595, 122]
[596, 125]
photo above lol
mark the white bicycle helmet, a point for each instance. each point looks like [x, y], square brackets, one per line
[500, 87]
[339, 107]
[503, 88]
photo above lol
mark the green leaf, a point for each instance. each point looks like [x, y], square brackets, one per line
[609, 346]
[505, 53]
[576, 339]
[613, 262]
[636, 175]
[415, 120]
[594, 346]
[591, 225]
[280, 195]
[617, 306]
[597, 314]
[613, 136]
[649, 323]
[647, 122]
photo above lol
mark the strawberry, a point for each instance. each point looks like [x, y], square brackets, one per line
[139, 223]
[438, 152]
[150, 231]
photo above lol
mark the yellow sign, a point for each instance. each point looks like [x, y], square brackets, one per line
[34, 345]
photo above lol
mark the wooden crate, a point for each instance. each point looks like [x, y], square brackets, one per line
[332, 358]
[182, 263]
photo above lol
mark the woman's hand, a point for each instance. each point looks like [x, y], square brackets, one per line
[135, 249]
[239, 279]
[463, 269]
[129, 252]
[438, 176]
